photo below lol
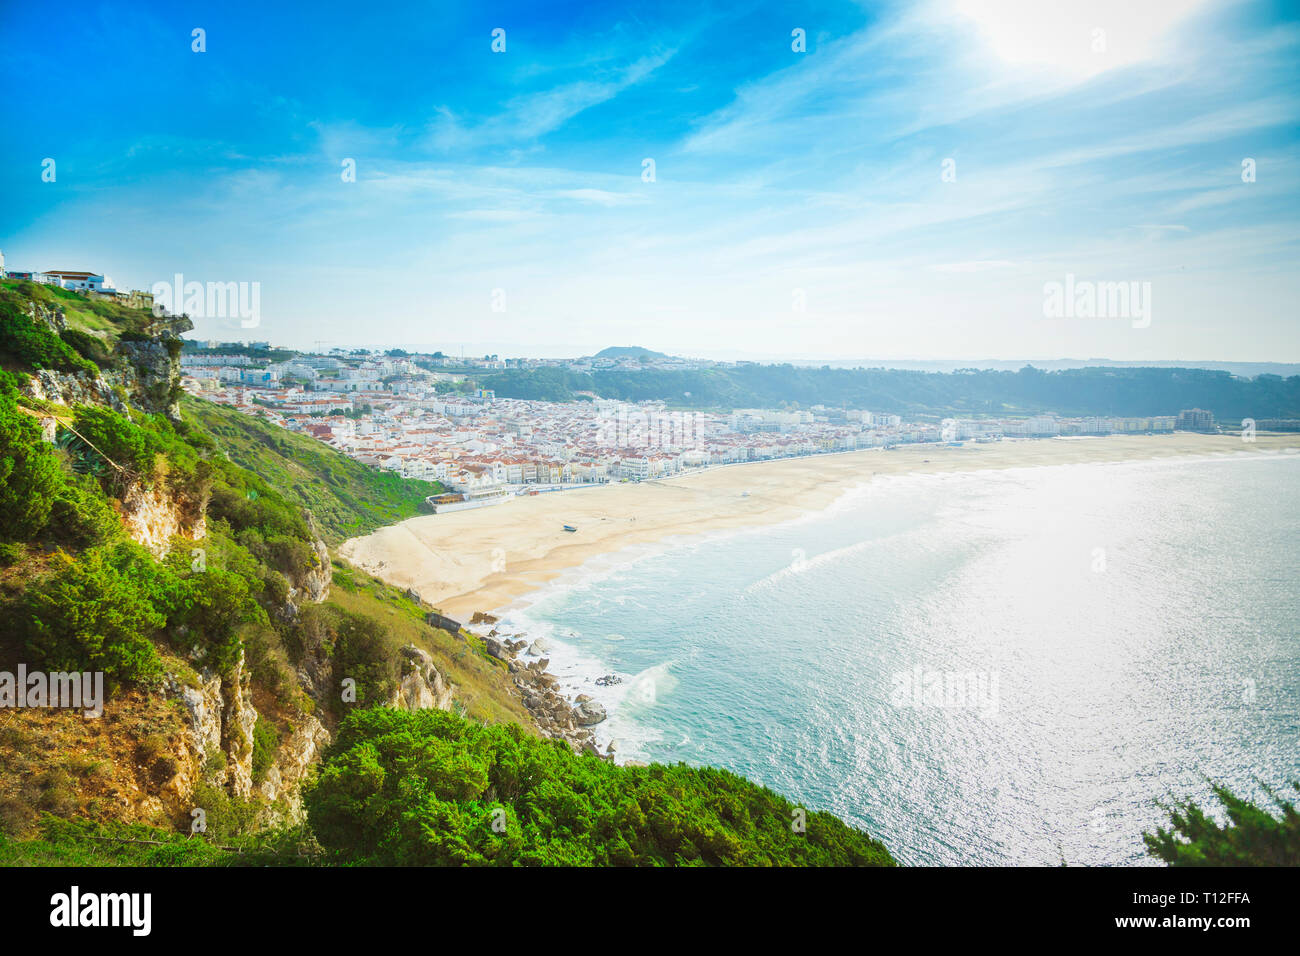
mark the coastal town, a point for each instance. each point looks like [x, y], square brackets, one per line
[424, 416]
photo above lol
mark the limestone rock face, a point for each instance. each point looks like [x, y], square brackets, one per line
[149, 377]
[153, 516]
[282, 783]
[238, 720]
[76, 388]
[422, 686]
[204, 706]
[316, 583]
[156, 376]
[52, 316]
[221, 719]
[316, 674]
[312, 585]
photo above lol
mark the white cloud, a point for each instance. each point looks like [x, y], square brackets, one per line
[532, 115]
[1077, 38]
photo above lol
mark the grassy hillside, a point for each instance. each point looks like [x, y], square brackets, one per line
[94, 328]
[61, 842]
[483, 682]
[346, 497]
[91, 315]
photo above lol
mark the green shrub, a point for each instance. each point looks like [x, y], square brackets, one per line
[57, 795]
[80, 515]
[88, 346]
[119, 438]
[245, 505]
[29, 471]
[96, 613]
[266, 742]
[364, 652]
[267, 662]
[211, 606]
[225, 816]
[430, 788]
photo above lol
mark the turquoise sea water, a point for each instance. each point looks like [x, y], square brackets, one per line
[1003, 667]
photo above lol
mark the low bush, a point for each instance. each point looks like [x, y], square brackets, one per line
[430, 788]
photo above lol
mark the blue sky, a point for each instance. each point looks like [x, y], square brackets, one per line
[780, 177]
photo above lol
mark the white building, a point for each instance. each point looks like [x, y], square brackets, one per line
[82, 281]
[634, 468]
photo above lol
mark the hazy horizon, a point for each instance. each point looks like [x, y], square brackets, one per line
[734, 355]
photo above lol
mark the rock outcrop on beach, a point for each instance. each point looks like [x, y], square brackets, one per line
[540, 691]
[589, 713]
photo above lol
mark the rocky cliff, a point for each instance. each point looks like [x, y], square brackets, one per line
[422, 686]
[247, 735]
[219, 740]
[153, 517]
[144, 370]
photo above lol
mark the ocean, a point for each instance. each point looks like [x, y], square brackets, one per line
[993, 667]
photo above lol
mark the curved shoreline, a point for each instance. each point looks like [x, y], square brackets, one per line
[554, 682]
[485, 559]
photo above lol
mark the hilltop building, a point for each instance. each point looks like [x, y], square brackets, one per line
[81, 281]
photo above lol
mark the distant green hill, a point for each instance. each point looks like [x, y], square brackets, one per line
[628, 351]
[1029, 391]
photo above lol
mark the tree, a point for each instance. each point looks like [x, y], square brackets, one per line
[29, 472]
[1252, 836]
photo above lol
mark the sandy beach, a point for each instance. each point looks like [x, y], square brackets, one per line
[483, 559]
